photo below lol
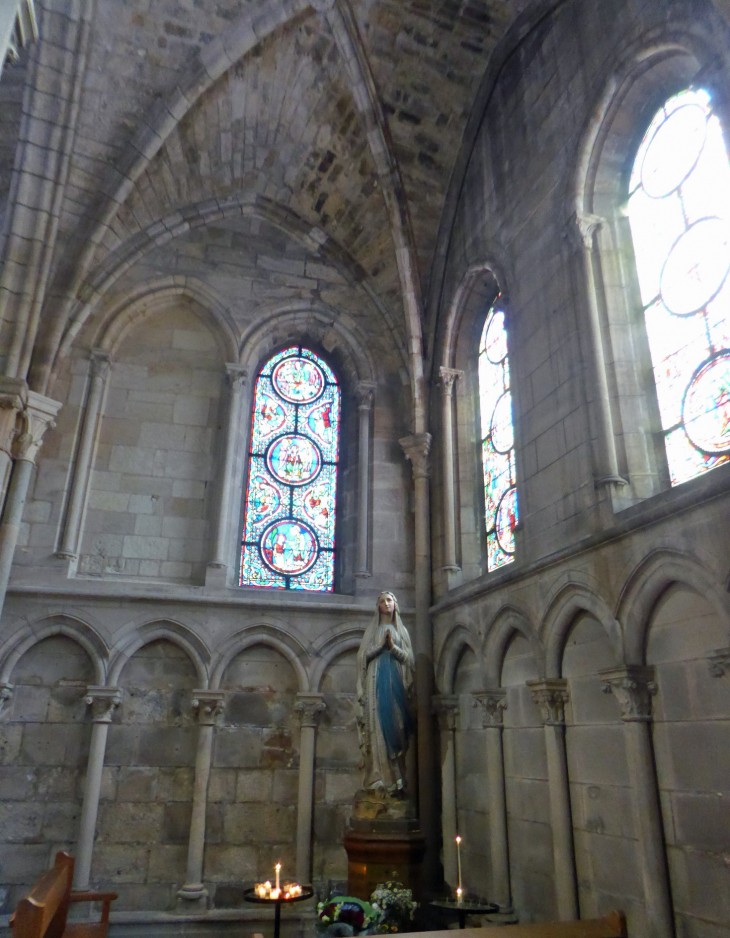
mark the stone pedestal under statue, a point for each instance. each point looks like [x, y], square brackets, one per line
[383, 842]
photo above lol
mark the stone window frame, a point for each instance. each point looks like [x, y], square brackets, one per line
[630, 456]
[478, 289]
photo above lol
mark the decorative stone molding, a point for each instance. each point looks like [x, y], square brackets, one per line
[492, 704]
[38, 416]
[446, 706]
[719, 662]
[448, 377]
[19, 27]
[633, 686]
[103, 702]
[208, 706]
[13, 400]
[101, 362]
[417, 449]
[551, 696]
[6, 696]
[365, 393]
[310, 707]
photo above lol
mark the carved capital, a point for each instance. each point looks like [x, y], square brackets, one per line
[365, 393]
[583, 227]
[719, 662]
[38, 416]
[551, 696]
[310, 707]
[446, 707]
[633, 686]
[237, 376]
[492, 704]
[6, 697]
[417, 449]
[13, 400]
[208, 705]
[101, 362]
[448, 377]
[103, 702]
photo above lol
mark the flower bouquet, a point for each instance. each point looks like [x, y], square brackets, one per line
[396, 907]
[345, 916]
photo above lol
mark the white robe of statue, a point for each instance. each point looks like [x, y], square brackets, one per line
[384, 679]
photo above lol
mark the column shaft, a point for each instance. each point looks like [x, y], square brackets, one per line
[103, 701]
[365, 396]
[498, 843]
[551, 697]
[633, 686]
[417, 450]
[12, 516]
[237, 376]
[447, 708]
[448, 377]
[305, 804]
[208, 705]
[79, 486]
[607, 460]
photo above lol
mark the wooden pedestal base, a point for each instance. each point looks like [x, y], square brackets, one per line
[375, 857]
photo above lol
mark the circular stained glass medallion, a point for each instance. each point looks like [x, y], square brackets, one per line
[298, 380]
[265, 499]
[696, 267]
[271, 414]
[294, 459]
[506, 520]
[501, 429]
[289, 547]
[674, 150]
[706, 407]
[495, 341]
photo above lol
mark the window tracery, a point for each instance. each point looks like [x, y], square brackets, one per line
[497, 435]
[679, 213]
[289, 521]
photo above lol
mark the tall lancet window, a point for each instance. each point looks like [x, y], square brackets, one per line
[498, 446]
[679, 210]
[289, 523]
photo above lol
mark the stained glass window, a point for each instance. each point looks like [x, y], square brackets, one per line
[498, 448]
[289, 524]
[679, 210]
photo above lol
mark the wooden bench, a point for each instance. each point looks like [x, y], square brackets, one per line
[43, 912]
[612, 926]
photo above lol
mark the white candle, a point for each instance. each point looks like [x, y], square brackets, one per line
[278, 870]
[459, 891]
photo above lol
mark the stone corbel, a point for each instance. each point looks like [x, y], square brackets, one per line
[6, 697]
[551, 696]
[38, 416]
[310, 708]
[103, 702]
[446, 707]
[417, 449]
[13, 400]
[719, 662]
[492, 704]
[633, 686]
[208, 706]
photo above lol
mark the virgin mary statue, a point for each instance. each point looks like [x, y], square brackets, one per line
[384, 679]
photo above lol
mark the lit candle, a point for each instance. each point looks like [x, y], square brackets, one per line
[278, 871]
[459, 891]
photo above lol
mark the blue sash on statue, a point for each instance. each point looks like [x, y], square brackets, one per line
[395, 719]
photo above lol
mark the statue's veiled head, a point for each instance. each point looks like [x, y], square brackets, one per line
[387, 606]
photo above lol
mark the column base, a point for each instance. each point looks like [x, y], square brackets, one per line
[216, 574]
[192, 897]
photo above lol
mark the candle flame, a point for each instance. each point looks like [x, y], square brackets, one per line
[458, 839]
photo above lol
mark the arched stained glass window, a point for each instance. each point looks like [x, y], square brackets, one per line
[679, 210]
[498, 449]
[289, 524]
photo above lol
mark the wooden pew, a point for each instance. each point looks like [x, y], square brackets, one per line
[612, 926]
[43, 912]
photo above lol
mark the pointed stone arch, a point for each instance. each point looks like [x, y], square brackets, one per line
[70, 626]
[167, 630]
[326, 652]
[509, 620]
[459, 638]
[572, 600]
[273, 637]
